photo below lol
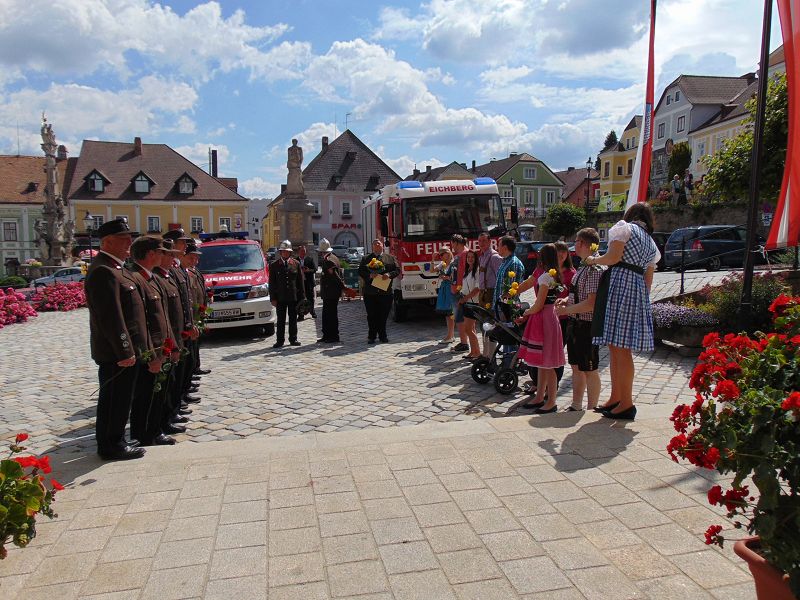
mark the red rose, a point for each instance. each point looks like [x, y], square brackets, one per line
[715, 495]
[712, 534]
[21, 437]
[168, 347]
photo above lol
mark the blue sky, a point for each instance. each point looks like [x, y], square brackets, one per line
[423, 82]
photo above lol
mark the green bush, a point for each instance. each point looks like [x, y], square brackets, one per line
[723, 301]
[12, 281]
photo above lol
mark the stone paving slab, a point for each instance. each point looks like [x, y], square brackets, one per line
[521, 507]
[49, 382]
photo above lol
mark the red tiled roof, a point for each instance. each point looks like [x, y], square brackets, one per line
[23, 180]
[574, 178]
[497, 168]
[119, 163]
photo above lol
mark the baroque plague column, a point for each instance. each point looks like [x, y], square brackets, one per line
[295, 215]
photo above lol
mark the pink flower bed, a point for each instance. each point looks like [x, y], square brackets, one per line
[14, 308]
[61, 296]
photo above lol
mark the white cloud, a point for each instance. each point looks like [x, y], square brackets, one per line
[395, 24]
[258, 187]
[100, 33]
[153, 105]
[310, 140]
[405, 165]
[198, 154]
[502, 76]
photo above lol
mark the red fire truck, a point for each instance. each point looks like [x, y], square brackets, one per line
[417, 218]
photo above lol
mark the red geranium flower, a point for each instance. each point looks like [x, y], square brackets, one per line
[726, 390]
[56, 485]
[26, 461]
[44, 464]
[792, 402]
[21, 437]
[715, 495]
[712, 534]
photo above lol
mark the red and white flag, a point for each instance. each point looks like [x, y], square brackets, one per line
[785, 230]
[644, 153]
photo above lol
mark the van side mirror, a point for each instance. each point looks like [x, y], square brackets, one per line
[514, 215]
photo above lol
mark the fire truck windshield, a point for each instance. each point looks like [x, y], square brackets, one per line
[434, 218]
[230, 258]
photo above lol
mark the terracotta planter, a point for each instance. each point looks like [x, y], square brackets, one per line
[771, 584]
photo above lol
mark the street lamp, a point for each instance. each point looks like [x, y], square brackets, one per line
[588, 178]
[88, 223]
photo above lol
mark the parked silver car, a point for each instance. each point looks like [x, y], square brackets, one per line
[354, 255]
[66, 275]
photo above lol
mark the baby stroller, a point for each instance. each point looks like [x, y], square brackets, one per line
[502, 366]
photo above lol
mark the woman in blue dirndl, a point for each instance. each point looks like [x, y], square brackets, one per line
[623, 320]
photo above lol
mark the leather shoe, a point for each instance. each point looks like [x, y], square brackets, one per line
[600, 409]
[277, 345]
[183, 406]
[384, 340]
[202, 371]
[174, 429]
[545, 411]
[532, 405]
[371, 341]
[133, 444]
[179, 419]
[164, 440]
[191, 399]
[625, 415]
[122, 453]
[301, 318]
[184, 411]
[195, 378]
[192, 389]
[294, 343]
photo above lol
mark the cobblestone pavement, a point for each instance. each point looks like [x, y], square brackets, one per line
[562, 506]
[49, 382]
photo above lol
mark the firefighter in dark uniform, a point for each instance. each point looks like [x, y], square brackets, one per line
[172, 403]
[198, 287]
[190, 333]
[118, 335]
[286, 289]
[331, 286]
[147, 407]
[309, 275]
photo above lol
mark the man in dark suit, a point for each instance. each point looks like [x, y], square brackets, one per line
[118, 334]
[197, 284]
[286, 289]
[147, 407]
[309, 272]
[378, 301]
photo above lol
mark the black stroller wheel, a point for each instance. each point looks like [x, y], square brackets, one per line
[506, 381]
[481, 372]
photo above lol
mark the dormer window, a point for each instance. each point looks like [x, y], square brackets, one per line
[141, 184]
[186, 184]
[95, 182]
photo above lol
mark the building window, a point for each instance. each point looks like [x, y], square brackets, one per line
[527, 196]
[681, 123]
[346, 209]
[185, 186]
[529, 173]
[153, 224]
[315, 238]
[669, 100]
[9, 231]
[630, 166]
[701, 151]
[315, 204]
[661, 127]
[95, 182]
[225, 222]
[549, 197]
[196, 224]
[97, 220]
[619, 169]
[606, 168]
[141, 185]
[677, 95]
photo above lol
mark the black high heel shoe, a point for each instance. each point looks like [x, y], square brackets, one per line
[602, 409]
[625, 415]
[534, 405]
[545, 411]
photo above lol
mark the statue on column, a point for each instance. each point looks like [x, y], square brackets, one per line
[294, 182]
[55, 235]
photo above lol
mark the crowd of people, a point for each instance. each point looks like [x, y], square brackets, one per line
[144, 328]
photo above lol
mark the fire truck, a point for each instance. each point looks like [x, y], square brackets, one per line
[236, 274]
[417, 218]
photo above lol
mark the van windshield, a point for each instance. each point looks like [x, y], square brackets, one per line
[441, 217]
[231, 258]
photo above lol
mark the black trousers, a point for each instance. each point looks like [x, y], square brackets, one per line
[330, 319]
[174, 391]
[280, 327]
[378, 307]
[143, 404]
[188, 364]
[309, 287]
[114, 401]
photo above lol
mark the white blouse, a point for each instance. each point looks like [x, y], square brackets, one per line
[469, 284]
[621, 232]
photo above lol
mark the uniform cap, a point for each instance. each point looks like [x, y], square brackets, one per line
[176, 234]
[115, 227]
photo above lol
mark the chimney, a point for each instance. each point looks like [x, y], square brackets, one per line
[427, 168]
[61, 153]
[137, 146]
[324, 143]
[416, 173]
[213, 163]
[473, 166]
[570, 169]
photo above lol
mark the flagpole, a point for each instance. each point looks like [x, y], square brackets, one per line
[746, 302]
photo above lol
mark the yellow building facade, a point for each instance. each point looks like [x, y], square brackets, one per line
[271, 228]
[616, 168]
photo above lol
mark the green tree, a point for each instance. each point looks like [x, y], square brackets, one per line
[611, 139]
[728, 176]
[563, 220]
[680, 159]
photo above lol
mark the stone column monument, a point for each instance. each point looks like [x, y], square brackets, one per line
[55, 234]
[295, 212]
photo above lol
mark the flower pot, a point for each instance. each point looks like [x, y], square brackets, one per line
[691, 338]
[771, 584]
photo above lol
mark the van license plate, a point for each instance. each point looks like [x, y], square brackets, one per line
[227, 312]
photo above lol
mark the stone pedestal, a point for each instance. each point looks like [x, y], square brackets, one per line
[295, 220]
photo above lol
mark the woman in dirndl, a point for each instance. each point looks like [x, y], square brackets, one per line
[542, 342]
[623, 320]
[444, 298]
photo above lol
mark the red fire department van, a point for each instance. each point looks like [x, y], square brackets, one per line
[418, 218]
[235, 269]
